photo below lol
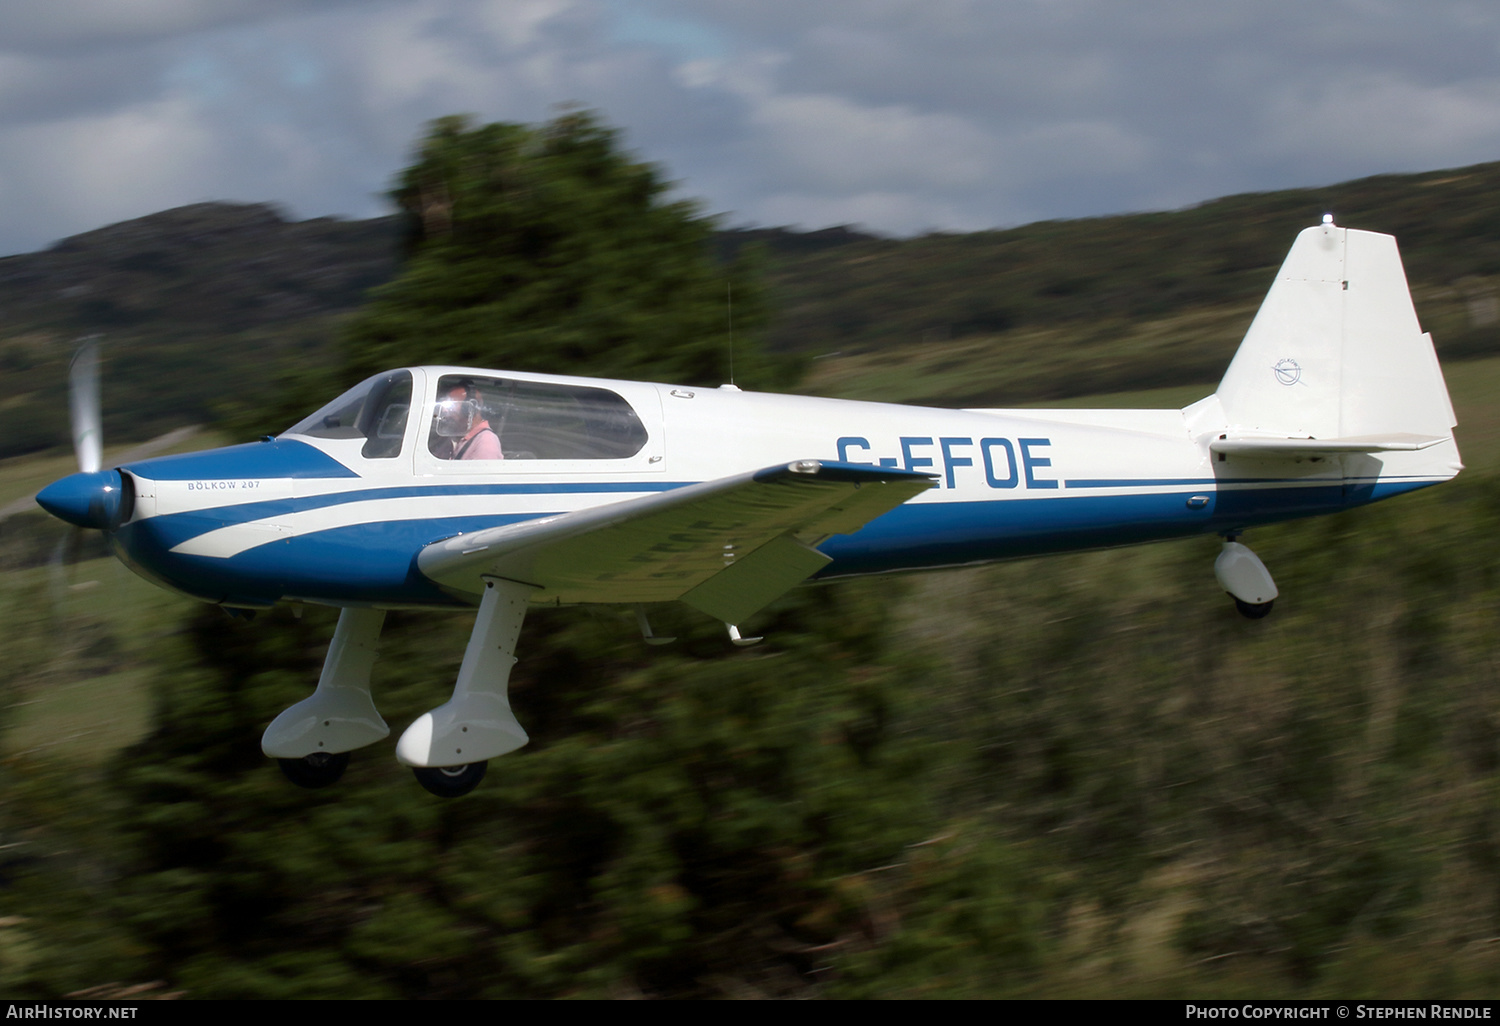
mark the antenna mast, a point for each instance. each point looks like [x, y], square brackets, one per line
[729, 294]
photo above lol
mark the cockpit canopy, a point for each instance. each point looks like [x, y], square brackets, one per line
[375, 410]
[486, 417]
[536, 420]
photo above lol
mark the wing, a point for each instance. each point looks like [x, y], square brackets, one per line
[727, 547]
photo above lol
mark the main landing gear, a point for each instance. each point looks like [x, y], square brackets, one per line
[476, 724]
[316, 770]
[1245, 578]
[311, 741]
[451, 781]
[448, 748]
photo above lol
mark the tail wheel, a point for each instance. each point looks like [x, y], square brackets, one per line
[316, 770]
[451, 781]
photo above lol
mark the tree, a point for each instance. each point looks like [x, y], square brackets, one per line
[683, 822]
[548, 248]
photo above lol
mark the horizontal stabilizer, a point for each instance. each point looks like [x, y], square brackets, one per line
[1249, 445]
[727, 547]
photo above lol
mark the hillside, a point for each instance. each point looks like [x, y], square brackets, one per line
[1071, 308]
[204, 307]
[1131, 268]
[199, 306]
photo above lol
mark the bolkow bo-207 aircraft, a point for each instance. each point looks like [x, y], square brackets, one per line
[506, 490]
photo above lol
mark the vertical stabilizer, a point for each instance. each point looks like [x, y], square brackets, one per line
[1335, 350]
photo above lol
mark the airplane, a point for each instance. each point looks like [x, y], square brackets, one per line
[456, 487]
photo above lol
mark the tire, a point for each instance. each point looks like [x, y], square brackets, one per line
[1252, 611]
[451, 781]
[316, 770]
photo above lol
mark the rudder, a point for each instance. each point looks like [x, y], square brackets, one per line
[1335, 351]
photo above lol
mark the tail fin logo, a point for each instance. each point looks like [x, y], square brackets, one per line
[1288, 372]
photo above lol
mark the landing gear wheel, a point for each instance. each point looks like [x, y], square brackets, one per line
[316, 770]
[1253, 611]
[451, 781]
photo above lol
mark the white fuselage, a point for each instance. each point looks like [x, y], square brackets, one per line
[312, 519]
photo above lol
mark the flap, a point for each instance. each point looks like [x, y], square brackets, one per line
[727, 547]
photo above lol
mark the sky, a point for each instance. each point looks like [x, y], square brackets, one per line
[900, 116]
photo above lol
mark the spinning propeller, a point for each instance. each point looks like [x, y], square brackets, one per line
[92, 497]
[83, 404]
[78, 501]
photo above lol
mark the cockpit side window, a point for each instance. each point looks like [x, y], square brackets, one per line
[375, 409]
[496, 418]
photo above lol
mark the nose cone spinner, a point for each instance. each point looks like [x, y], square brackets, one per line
[86, 499]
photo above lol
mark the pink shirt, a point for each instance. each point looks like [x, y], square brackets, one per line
[480, 444]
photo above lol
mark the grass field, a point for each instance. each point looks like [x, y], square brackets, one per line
[81, 663]
[1006, 370]
[80, 638]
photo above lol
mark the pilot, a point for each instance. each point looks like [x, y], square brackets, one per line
[460, 430]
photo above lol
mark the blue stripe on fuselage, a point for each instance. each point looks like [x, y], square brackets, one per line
[362, 563]
[376, 563]
[182, 526]
[954, 533]
[933, 534]
[278, 457]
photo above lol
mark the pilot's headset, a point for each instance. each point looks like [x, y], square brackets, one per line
[453, 416]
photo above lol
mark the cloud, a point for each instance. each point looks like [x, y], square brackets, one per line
[74, 25]
[836, 144]
[92, 169]
[899, 114]
[40, 88]
[1385, 120]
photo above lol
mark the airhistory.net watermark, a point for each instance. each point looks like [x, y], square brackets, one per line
[24, 1011]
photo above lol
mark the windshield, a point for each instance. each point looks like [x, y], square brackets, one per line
[375, 409]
